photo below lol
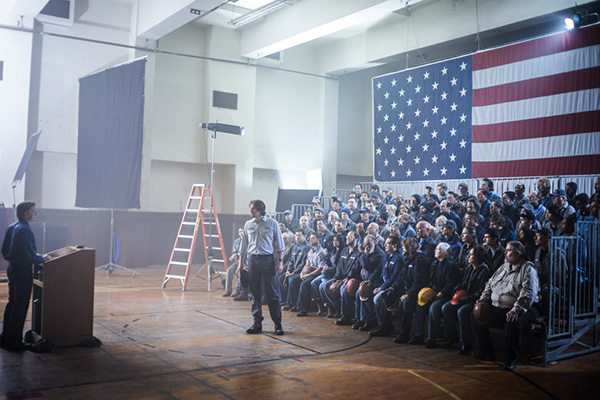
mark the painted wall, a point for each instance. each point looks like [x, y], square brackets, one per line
[15, 52]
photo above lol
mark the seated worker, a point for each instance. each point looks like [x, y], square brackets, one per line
[315, 262]
[443, 277]
[346, 269]
[293, 267]
[383, 295]
[459, 309]
[513, 293]
[371, 264]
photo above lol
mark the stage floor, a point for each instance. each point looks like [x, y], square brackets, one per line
[168, 344]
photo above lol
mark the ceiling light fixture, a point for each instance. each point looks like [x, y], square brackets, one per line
[261, 12]
[581, 18]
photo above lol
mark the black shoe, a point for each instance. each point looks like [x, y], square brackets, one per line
[401, 339]
[241, 297]
[344, 321]
[294, 309]
[301, 313]
[485, 356]
[256, 328]
[368, 326]
[358, 324]
[226, 294]
[416, 340]
[431, 344]
[465, 349]
[448, 344]
[278, 329]
[510, 365]
[381, 331]
[18, 347]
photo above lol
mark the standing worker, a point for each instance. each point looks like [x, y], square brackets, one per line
[19, 250]
[262, 245]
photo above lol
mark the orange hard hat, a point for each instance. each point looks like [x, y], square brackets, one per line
[457, 296]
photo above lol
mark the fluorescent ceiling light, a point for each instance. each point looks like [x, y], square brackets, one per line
[261, 12]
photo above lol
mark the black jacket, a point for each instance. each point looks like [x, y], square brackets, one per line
[444, 276]
[413, 275]
[371, 265]
[473, 282]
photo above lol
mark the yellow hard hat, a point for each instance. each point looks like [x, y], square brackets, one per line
[425, 295]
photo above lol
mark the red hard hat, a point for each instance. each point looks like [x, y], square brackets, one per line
[482, 312]
[352, 286]
[457, 296]
[333, 288]
[365, 291]
[307, 269]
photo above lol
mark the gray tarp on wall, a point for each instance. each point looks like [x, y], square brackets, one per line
[109, 154]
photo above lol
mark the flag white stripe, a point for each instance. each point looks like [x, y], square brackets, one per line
[580, 144]
[567, 61]
[539, 107]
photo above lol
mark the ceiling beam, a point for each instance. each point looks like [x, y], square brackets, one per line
[157, 18]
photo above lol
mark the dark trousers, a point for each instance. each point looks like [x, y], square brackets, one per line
[293, 288]
[304, 293]
[261, 269]
[513, 331]
[408, 308]
[461, 314]
[20, 281]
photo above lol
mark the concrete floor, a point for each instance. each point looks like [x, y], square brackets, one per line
[169, 344]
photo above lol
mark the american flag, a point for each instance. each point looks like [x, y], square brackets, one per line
[527, 109]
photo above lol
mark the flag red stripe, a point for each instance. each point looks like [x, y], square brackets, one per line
[538, 47]
[584, 122]
[544, 86]
[581, 165]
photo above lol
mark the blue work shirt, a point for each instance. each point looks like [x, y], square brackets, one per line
[261, 238]
[19, 244]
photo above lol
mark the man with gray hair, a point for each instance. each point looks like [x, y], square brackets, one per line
[513, 295]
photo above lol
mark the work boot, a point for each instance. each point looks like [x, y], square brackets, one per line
[344, 320]
[321, 307]
[330, 312]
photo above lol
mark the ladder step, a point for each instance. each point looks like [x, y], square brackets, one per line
[200, 197]
[175, 276]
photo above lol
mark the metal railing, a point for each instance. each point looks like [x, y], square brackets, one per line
[570, 297]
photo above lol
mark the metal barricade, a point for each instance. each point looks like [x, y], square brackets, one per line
[570, 297]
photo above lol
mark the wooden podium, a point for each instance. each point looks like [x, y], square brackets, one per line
[63, 296]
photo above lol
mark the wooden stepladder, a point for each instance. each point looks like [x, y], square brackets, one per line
[200, 214]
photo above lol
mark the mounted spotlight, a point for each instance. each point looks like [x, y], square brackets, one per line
[225, 128]
[581, 18]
